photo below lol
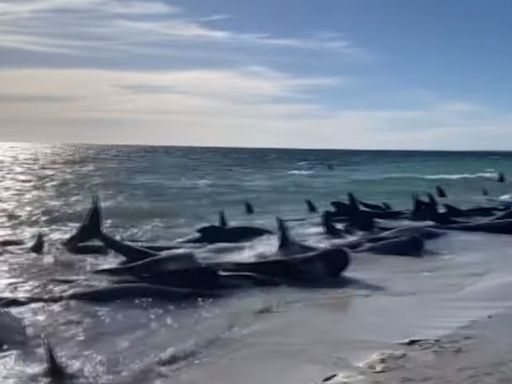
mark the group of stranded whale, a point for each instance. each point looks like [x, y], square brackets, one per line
[173, 272]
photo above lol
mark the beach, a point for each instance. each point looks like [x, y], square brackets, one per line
[439, 318]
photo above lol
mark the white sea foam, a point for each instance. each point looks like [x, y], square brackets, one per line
[455, 176]
[300, 172]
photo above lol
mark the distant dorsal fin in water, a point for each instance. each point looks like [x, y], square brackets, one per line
[38, 246]
[223, 221]
[249, 209]
[485, 191]
[54, 369]
[501, 177]
[311, 206]
[441, 192]
[283, 233]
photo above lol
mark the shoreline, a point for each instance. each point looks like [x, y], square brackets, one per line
[478, 352]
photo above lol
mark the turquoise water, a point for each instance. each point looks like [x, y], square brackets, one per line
[163, 193]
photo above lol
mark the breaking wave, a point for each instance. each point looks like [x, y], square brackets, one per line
[455, 176]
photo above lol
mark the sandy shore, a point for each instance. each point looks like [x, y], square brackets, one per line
[480, 352]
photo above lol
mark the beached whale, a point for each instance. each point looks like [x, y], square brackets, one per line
[328, 225]
[503, 227]
[223, 233]
[312, 266]
[294, 261]
[424, 232]
[110, 294]
[291, 261]
[399, 246]
[456, 212]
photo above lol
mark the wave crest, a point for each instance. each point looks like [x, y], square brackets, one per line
[455, 176]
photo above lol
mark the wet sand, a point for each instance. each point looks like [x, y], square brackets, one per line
[480, 352]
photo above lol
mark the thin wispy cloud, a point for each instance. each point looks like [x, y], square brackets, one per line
[79, 26]
[247, 106]
[153, 72]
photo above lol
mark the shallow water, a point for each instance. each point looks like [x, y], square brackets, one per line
[288, 335]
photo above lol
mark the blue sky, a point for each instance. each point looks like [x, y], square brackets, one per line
[283, 73]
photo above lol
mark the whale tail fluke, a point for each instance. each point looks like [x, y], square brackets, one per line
[54, 369]
[38, 246]
[91, 227]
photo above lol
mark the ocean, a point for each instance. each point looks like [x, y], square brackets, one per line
[264, 335]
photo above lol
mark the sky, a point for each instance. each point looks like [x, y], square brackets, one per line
[362, 74]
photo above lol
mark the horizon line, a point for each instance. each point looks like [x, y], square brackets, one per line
[2, 142]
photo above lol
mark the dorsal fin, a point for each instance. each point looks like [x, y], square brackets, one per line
[485, 191]
[54, 368]
[329, 227]
[223, 221]
[91, 227]
[38, 246]
[501, 177]
[94, 216]
[284, 235]
[249, 209]
[432, 201]
[441, 192]
[386, 206]
[311, 206]
[354, 204]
